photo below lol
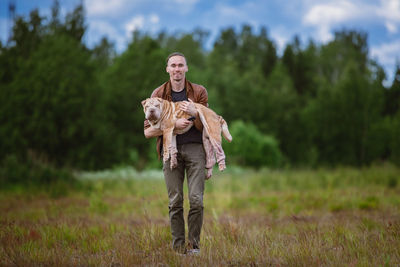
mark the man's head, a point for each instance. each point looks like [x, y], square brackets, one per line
[176, 66]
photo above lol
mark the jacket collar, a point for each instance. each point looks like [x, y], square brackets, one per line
[168, 90]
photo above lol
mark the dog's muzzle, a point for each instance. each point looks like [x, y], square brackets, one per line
[152, 115]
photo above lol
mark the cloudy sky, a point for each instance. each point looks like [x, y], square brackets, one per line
[309, 19]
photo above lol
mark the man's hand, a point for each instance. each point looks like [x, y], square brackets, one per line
[152, 132]
[181, 124]
[189, 108]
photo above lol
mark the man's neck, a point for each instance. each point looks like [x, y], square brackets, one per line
[178, 86]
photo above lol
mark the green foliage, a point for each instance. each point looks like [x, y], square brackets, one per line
[54, 97]
[52, 104]
[79, 107]
[252, 148]
[131, 79]
[35, 174]
[301, 64]
[392, 95]
[342, 117]
[153, 161]
[394, 139]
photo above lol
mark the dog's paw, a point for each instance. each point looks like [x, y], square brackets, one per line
[221, 166]
[165, 157]
[209, 173]
[173, 163]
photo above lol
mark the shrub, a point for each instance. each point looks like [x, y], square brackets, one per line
[395, 140]
[29, 173]
[251, 148]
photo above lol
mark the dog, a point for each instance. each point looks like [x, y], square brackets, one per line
[163, 114]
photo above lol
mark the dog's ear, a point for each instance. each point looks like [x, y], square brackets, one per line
[144, 102]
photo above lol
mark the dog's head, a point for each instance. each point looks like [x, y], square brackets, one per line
[152, 108]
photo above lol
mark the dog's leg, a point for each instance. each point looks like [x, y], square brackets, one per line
[209, 173]
[225, 130]
[219, 153]
[210, 158]
[165, 150]
[167, 139]
[174, 153]
[214, 134]
[216, 142]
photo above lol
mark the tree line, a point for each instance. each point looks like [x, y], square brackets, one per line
[67, 105]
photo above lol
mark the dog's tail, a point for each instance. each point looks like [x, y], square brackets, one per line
[225, 130]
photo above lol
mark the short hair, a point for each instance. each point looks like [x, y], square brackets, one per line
[175, 54]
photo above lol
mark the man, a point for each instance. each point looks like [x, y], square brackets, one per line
[191, 155]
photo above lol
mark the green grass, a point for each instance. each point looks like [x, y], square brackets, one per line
[323, 217]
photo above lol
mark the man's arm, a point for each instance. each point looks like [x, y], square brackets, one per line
[189, 108]
[180, 124]
[152, 132]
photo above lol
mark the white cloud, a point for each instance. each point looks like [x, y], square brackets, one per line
[107, 7]
[112, 8]
[387, 53]
[140, 22]
[391, 27]
[121, 36]
[222, 15]
[390, 12]
[281, 37]
[228, 11]
[184, 6]
[99, 28]
[135, 23]
[390, 9]
[325, 16]
[330, 13]
[154, 19]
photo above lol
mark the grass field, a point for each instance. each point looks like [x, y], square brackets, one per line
[324, 217]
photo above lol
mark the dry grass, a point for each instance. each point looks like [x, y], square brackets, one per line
[342, 217]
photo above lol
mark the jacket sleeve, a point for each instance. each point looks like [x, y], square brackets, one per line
[202, 99]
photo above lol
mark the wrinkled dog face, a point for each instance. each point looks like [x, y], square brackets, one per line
[152, 108]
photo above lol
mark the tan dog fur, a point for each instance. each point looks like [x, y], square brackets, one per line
[163, 114]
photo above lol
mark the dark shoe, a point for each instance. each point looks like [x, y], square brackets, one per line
[194, 252]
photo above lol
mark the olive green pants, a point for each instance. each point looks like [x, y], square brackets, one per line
[191, 157]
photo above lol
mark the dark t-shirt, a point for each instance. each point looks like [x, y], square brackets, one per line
[193, 135]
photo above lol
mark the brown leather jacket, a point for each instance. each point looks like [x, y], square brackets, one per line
[196, 93]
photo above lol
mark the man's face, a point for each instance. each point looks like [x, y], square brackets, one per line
[177, 68]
